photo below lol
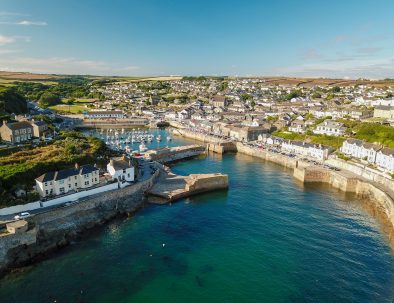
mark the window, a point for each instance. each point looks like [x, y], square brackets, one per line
[95, 179]
[75, 177]
[61, 189]
[69, 185]
[61, 181]
[46, 192]
[76, 184]
[46, 183]
[86, 182]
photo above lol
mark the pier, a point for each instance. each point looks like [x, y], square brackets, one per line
[166, 155]
[171, 187]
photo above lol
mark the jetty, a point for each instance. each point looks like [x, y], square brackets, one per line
[166, 155]
[171, 187]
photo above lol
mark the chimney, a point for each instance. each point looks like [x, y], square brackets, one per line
[111, 162]
[4, 122]
[76, 166]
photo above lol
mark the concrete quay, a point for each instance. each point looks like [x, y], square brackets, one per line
[171, 187]
[166, 155]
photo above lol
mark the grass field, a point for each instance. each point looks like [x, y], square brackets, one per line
[72, 109]
[81, 100]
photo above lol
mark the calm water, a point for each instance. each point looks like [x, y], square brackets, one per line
[268, 239]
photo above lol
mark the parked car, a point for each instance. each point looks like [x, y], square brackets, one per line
[22, 216]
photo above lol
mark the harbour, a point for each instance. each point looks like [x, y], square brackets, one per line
[273, 231]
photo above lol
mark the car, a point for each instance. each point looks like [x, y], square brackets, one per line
[22, 216]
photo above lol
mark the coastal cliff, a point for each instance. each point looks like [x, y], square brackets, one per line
[56, 228]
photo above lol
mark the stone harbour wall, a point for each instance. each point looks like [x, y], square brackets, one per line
[54, 229]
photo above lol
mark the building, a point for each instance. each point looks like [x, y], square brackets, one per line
[121, 169]
[247, 133]
[66, 180]
[219, 101]
[317, 151]
[16, 132]
[105, 114]
[297, 126]
[40, 128]
[330, 128]
[386, 112]
[360, 149]
[385, 159]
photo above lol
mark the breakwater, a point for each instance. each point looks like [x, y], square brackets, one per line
[54, 229]
[171, 187]
[379, 196]
[166, 155]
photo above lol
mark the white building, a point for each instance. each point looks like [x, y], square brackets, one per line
[330, 128]
[385, 159]
[316, 151]
[105, 114]
[121, 169]
[297, 126]
[66, 180]
[360, 149]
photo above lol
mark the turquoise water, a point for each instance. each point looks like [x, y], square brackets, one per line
[268, 239]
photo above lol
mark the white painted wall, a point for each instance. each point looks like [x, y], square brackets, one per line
[61, 200]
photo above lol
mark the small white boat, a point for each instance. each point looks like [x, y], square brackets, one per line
[142, 147]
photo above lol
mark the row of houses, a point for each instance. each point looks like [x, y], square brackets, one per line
[18, 132]
[301, 148]
[82, 177]
[383, 157]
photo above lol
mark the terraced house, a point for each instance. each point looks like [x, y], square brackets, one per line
[330, 128]
[66, 180]
[16, 132]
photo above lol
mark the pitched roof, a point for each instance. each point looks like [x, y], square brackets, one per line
[18, 125]
[65, 173]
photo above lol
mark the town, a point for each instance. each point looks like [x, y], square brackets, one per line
[304, 118]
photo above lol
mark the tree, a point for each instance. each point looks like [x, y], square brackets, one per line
[48, 99]
[316, 95]
[12, 101]
[245, 97]
[336, 89]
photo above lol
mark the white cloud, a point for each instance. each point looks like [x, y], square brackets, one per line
[25, 23]
[37, 23]
[6, 40]
[357, 68]
[60, 65]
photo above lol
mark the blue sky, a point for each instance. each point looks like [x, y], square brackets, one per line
[333, 38]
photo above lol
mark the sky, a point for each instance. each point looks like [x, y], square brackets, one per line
[331, 38]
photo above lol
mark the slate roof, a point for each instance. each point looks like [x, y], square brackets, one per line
[65, 173]
[18, 125]
[120, 164]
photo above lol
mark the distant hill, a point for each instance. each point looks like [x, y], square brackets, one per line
[27, 76]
